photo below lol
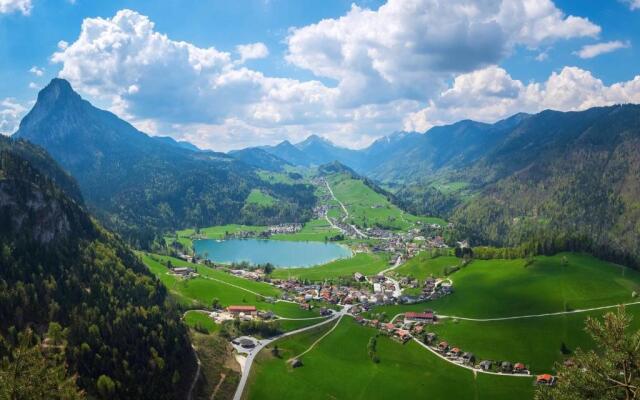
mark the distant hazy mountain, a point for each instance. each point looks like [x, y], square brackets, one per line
[178, 143]
[314, 150]
[402, 156]
[135, 182]
[260, 158]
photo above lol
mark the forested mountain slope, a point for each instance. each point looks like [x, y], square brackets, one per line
[138, 184]
[555, 181]
[58, 265]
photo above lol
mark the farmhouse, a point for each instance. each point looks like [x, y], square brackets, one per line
[455, 352]
[403, 335]
[545, 379]
[443, 346]
[183, 271]
[242, 310]
[519, 368]
[486, 365]
[358, 277]
[411, 316]
[431, 337]
[506, 366]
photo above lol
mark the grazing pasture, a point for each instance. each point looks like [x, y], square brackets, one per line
[404, 371]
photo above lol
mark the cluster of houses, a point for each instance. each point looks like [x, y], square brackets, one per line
[284, 229]
[431, 289]
[414, 324]
[241, 312]
[256, 275]
[455, 354]
[335, 294]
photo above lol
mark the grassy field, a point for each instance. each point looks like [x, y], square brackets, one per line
[503, 288]
[228, 289]
[256, 196]
[317, 230]
[365, 263]
[195, 318]
[537, 342]
[423, 266]
[368, 208]
[405, 371]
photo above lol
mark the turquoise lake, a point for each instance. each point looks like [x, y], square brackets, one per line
[281, 254]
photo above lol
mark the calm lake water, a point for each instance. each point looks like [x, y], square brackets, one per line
[279, 253]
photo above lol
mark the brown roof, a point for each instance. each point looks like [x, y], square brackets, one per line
[544, 378]
[241, 308]
[415, 315]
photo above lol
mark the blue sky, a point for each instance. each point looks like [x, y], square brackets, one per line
[350, 71]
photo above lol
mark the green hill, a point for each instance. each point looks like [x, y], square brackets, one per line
[58, 265]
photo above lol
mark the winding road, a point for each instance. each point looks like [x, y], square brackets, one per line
[263, 343]
[346, 213]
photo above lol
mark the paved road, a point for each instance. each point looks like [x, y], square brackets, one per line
[397, 292]
[582, 310]
[467, 366]
[263, 343]
[346, 212]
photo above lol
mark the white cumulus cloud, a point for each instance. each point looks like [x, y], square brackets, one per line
[406, 47]
[252, 51]
[36, 71]
[11, 6]
[594, 50]
[491, 94]
[391, 68]
[11, 112]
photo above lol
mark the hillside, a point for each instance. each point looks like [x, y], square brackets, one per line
[562, 181]
[260, 158]
[58, 265]
[138, 184]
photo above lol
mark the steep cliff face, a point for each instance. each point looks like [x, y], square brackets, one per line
[33, 208]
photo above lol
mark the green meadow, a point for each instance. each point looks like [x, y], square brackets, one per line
[504, 288]
[367, 208]
[423, 266]
[365, 263]
[340, 368]
[537, 342]
[200, 319]
[258, 197]
[228, 289]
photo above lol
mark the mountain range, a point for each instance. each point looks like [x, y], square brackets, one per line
[549, 177]
[141, 185]
[553, 179]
